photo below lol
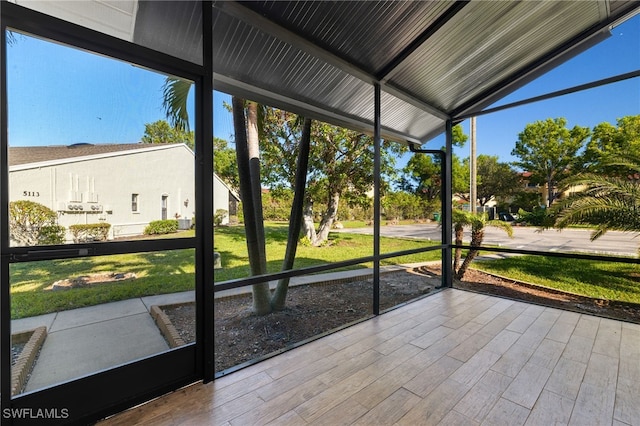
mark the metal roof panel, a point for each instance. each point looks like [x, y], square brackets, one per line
[486, 43]
[366, 33]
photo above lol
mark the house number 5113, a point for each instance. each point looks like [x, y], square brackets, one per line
[30, 194]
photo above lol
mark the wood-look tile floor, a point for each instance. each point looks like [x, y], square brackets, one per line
[454, 358]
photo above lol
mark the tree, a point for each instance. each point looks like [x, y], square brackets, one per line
[340, 166]
[225, 164]
[495, 179]
[606, 202]
[421, 175]
[281, 136]
[403, 205]
[342, 161]
[295, 221]
[549, 150]
[31, 223]
[161, 132]
[477, 222]
[608, 141]
[247, 153]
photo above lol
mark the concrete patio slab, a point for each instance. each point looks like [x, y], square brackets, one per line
[24, 324]
[98, 313]
[75, 352]
[167, 299]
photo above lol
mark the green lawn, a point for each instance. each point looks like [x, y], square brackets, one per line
[231, 245]
[606, 280]
[173, 271]
[157, 273]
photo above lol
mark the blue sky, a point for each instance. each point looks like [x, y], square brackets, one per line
[60, 96]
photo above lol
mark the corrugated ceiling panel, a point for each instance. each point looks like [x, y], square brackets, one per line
[246, 54]
[367, 34]
[115, 18]
[173, 27]
[400, 115]
[487, 42]
[615, 6]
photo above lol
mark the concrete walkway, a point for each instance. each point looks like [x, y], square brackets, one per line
[83, 341]
[86, 340]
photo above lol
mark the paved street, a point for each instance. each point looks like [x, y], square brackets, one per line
[526, 238]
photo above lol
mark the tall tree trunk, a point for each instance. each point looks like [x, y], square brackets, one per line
[549, 191]
[308, 226]
[295, 221]
[327, 219]
[457, 255]
[477, 235]
[251, 203]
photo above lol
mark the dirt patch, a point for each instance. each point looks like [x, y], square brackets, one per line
[315, 309]
[90, 280]
[310, 310]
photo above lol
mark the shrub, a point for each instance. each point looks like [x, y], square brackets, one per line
[276, 204]
[28, 220]
[90, 232]
[52, 234]
[540, 216]
[219, 216]
[156, 227]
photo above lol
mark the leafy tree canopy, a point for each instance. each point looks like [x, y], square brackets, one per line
[162, 132]
[549, 151]
[609, 142]
[225, 164]
[495, 179]
[604, 201]
[421, 175]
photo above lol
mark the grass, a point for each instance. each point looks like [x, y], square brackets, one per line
[230, 243]
[599, 279]
[174, 271]
[157, 273]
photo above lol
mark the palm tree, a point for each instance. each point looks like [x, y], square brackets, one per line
[175, 92]
[606, 202]
[477, 222]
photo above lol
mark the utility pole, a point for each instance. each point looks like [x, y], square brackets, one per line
[473, 169]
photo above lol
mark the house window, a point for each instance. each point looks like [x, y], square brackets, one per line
[164, 207]
[134, 203]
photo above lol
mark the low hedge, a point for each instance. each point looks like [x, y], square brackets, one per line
[51, 234]
[90, 232]
[156, 227]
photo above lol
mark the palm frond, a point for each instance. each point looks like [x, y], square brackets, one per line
[175, 93]
[606, 202]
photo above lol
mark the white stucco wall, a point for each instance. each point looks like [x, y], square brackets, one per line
[220, 198]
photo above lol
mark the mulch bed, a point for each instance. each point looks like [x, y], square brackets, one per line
[314, 309]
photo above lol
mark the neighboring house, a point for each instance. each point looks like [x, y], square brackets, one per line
[126, 185]
[224, 198]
